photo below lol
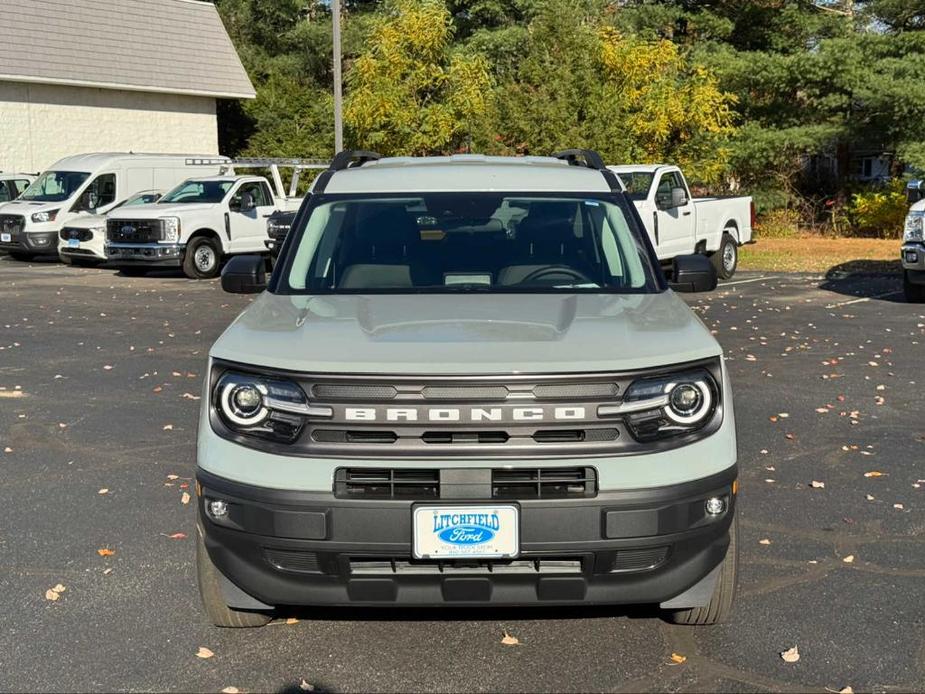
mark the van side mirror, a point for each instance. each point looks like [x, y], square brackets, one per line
[245, 274]
[678, 197]
[693, 273]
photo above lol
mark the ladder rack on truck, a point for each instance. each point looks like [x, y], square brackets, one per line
[274, 164]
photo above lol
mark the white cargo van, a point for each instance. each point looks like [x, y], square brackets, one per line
[89, 184]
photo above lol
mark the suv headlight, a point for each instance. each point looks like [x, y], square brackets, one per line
[171, 226]
[913, 230]
[46, 216]
[665, 406]
[260, 406]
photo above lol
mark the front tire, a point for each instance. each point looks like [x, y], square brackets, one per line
[915, 293]
[202, 258]
[719, 608]
[726, 259]
[210, 590]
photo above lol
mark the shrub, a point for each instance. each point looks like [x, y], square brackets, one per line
[880, 213]
[778, 224]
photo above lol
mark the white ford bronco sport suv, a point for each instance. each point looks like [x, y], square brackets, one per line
[466, 383]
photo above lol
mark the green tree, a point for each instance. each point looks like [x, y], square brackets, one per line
[409, 92]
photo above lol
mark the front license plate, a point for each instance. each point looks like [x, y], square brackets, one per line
[6, 238]
[469, 532]
[73, 243]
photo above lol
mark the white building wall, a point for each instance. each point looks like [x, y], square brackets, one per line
[41, 123]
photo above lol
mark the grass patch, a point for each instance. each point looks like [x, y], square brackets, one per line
[814, 254]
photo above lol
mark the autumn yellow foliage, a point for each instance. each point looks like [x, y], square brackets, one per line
[409, 94]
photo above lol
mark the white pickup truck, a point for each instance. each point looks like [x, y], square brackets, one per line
[203, 220]
[679, 224]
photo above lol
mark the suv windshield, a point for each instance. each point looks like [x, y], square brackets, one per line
[55, 186]
[198, 191]
[637, 183]
[456, 242]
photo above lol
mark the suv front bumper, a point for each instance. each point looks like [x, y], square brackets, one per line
[629, 547]
[37, 242]
[156, 254]
[913, 260]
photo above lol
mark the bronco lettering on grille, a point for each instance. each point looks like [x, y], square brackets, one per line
[457, 414]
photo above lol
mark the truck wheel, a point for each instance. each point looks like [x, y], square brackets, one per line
[720, 606]
[726, 259]
[915, 293]
[202, 258]
[210, 591]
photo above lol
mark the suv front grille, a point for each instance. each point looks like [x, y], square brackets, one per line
[543, 483]
[386, 483]
[506, 483]
[379, 566]
[75, 233]
[12, 224]
[134, 230]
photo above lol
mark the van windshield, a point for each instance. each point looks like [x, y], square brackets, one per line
[55, 186]
[459, 242]
[198, 191]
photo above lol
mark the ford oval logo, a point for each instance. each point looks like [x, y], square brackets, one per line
[467, 535]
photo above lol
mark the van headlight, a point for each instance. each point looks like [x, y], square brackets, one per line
[913, 230]
[262, 407]
[45, 216]
[171, 227]
[665, 406]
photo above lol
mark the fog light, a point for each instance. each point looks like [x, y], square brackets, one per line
[218, 509]
[715, 506]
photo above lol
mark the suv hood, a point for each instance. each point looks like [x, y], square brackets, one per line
[466, 334]
[26, 207]
[87, 221]
[154, 210]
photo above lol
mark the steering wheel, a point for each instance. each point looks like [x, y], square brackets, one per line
[541, 273]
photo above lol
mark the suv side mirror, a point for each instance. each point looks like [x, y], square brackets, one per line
[692, 273]
[678, 197]
[245, 274]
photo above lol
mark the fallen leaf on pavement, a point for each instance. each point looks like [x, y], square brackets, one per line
[765, 541]
[678, 658]
[899, 506]
[51, 595]
[173, 477]
[509, 640]
[817, 485]
[105, 552]
[791, 655]
[870, 497]
[175, 536]
[59, 588]
[292, 620]
[849, 559]
[185, 498]
[230, 690]
[168, 427]
[874, 473]
[204, 653]
[306, 686]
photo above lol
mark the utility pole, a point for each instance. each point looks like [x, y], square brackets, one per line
[338, 81]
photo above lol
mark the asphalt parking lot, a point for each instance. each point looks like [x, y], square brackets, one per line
[99, 383]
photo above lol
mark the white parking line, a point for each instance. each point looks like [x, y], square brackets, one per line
[754, 279]
[863, 299]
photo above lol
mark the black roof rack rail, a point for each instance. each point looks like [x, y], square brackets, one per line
[591, 160]
[581, 157]
[350, 158]
[347, 159]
